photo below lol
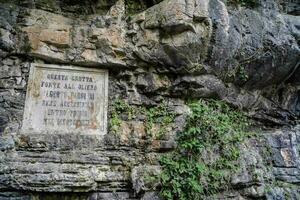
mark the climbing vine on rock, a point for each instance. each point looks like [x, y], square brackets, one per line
[160, 115]
[207, 152]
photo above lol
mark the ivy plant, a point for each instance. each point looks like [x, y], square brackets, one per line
[207, 152]
[160, 115]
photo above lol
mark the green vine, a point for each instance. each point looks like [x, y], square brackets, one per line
[207, 152]
[118, 108]
[242, 74]
[159, 115]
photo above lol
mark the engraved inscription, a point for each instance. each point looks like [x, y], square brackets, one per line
[66, 99]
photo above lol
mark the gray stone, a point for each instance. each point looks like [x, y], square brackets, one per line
[290, 175]
[144, 178]
[6, 142]
[173, 51]
[6, 42]
[10, 71]
[254, 192]
[151, 196]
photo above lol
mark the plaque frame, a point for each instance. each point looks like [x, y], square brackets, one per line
[32, 90]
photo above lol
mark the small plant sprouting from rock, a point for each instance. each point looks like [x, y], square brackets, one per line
[118, 108]
[242, 73]
[160, 115]
[206, 154]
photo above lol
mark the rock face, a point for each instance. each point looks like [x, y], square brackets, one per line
[172, 51]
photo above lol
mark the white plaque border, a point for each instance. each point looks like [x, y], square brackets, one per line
[26, 114]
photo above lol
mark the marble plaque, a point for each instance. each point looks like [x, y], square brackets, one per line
[66, 99]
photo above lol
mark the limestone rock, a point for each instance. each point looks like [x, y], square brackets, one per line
[144, 178]
[173, 51]
[182, 31]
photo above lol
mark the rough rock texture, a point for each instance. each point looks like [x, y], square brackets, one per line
[172, 51]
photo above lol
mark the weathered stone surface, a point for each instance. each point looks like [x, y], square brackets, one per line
[62, 41]
[66, 99]
[172, 51]
[176, 45]
[144, 178]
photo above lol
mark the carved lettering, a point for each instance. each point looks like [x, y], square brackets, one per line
[78, 94]
[69, 99]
